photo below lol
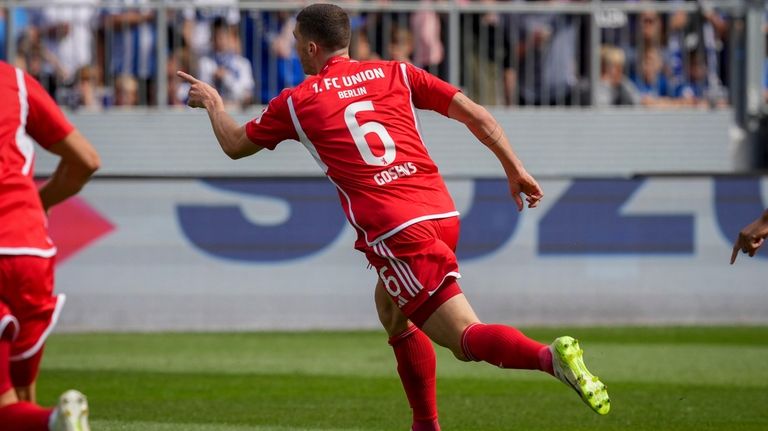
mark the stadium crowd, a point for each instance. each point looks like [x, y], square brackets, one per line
[95, 56]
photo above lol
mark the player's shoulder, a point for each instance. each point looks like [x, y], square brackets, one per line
[7, 71]
[383, 64]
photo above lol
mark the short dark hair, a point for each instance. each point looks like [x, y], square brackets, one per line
[325, 24]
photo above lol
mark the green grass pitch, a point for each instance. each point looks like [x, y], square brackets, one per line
[659, 379]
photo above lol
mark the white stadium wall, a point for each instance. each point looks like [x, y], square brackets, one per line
[240, 254]
[560, 142]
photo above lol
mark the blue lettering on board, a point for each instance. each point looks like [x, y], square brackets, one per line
[587, 220]
[490, 221]
[315, 221]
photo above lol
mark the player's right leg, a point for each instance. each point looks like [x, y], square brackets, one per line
[416, 363]
[454, 325]
[13, 413]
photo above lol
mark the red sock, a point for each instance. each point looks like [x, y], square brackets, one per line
[24, 416]
[505, 347]
[416, 367]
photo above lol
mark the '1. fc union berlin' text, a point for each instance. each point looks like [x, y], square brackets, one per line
[342, 84]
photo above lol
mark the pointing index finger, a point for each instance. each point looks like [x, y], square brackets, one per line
[735, 253]
[187, 77]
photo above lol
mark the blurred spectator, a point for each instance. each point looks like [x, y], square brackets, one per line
[614, 88]
[483, 51]
[650, 36]
[651, 82]
[428, 50]
[126, 90]
[280, 66]
[548, 70]
[199, 19]
[696, 49]
[361, 47]
[178, 89]
[229, 72]
[697, 88]
[87, 92]
[130, 33]
[401, 44]
[66, 30]
[35, 58]
[765, 79]
[765, 63]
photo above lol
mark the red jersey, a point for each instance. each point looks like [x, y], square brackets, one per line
[358, 120]
[27, 112]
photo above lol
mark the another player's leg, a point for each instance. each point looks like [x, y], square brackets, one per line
[26, 283]
[454, 325]
[415, 361]
[24, 374]
[15, 414]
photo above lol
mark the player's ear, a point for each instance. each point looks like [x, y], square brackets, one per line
[312, 48]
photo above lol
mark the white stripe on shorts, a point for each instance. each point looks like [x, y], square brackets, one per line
[410, 282]
[395, 267]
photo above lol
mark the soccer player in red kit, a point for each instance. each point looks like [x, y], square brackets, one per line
[358, 120]
[28, 307]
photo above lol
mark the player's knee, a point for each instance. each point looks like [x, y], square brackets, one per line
[392, 319]
[459, 354]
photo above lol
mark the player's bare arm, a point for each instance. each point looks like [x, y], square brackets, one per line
[751, 238]
[488, 131]
[231, 136]
[79, 160]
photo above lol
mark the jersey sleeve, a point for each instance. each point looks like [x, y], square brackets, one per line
[46, 124]
[429, 91]
[274, 125]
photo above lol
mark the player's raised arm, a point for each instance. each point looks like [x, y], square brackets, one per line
[231, 136]
[79, 160]
[486, 129]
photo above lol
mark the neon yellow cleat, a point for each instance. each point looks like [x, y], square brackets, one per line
[71, 414]
[570, 369]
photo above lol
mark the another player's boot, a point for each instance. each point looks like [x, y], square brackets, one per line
[71, 414]
[570, 369]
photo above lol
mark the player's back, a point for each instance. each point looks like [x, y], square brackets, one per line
[359, 121]
[22, 219]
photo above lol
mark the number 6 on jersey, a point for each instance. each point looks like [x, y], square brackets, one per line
[359, 131]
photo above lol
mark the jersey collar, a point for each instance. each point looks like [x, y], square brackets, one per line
[335, 60]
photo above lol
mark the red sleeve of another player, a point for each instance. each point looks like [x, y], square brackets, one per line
[46, 124]
[429, 91]
[274, 125]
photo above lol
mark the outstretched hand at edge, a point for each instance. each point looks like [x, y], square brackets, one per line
[201, 94]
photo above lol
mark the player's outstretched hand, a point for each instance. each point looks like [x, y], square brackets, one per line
[751, 238]
[528, 186]
[201, 95]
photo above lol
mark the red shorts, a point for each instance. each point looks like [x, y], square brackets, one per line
[418, 265]
[28, 308]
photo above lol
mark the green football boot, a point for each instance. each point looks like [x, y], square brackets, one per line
[569, 367]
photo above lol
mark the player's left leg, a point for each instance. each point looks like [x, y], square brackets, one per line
[454, 325]
[415, 357]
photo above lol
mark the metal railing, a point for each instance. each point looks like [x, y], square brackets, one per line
[529, 53]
